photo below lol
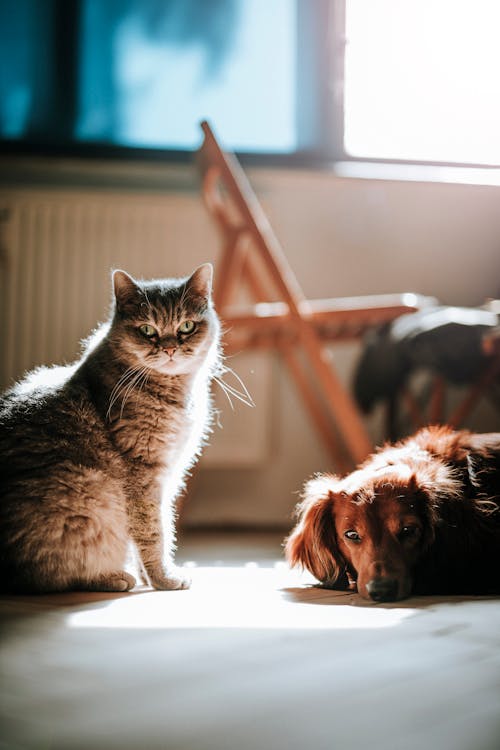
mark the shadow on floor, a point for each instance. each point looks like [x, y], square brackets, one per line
[316, 594]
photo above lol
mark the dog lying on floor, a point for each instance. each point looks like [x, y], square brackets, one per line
[419, 517]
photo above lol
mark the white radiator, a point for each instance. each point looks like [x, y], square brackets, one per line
[57, 250]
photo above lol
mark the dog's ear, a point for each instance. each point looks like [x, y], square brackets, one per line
[313, 544]
[428, 494]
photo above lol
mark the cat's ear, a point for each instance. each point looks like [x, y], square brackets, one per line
[126, 290]
[201, 280]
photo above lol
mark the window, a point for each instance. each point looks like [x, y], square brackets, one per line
[141, 74]
[150, 71]
[422, 81]
[386, 80]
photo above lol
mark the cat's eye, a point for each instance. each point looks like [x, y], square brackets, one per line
[352, 535]
[187, 326]
[147, 330]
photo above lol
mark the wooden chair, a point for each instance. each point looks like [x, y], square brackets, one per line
[279, 316]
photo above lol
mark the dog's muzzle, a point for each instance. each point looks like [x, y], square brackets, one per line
[382, 589]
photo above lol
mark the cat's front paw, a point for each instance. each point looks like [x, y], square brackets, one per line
[172, 580]
[119, 581]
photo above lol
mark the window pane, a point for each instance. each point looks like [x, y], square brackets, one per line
[18, 47]
[143, 73]
[422, 80]
[152, 69]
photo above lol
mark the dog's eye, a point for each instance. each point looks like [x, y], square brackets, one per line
[353, 536]
[409, 532]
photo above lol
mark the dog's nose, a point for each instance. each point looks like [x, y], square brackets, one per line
[382, 589]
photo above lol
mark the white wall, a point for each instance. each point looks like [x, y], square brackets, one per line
[373, 236]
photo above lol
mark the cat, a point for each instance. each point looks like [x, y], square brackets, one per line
[94, 454]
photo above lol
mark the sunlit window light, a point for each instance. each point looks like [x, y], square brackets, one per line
[422, 80]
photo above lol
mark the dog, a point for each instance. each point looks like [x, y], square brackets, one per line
[418, 517]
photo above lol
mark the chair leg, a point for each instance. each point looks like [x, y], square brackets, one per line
[339, 401]
[475, 392]
[314, 406]
[436, 403]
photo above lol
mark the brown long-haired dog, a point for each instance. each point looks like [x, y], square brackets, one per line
[422, 517]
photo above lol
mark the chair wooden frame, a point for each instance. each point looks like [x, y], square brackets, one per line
[298, 329]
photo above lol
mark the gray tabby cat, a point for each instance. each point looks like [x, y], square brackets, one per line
[93, 455]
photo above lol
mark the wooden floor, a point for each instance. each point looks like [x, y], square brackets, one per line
[252, 656]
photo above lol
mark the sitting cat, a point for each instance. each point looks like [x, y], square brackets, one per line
[93, 455]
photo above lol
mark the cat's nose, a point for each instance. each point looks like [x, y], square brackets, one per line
[170, 350]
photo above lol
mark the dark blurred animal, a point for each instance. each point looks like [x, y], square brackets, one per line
[419, 517]
[447, 341]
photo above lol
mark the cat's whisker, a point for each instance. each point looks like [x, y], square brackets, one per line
[229, 391]
[230, 356]
[245, 390]
[129, 372]
[123, 379]
[222, 386]
[131, 385]
[147, 300]
[239, 395]
[127, 391]
[120, 385]
[183, 295]
[142, 382]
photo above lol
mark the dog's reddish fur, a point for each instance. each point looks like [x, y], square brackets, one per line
[422, 516]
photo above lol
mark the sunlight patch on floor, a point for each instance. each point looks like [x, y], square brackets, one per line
[247, 596]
